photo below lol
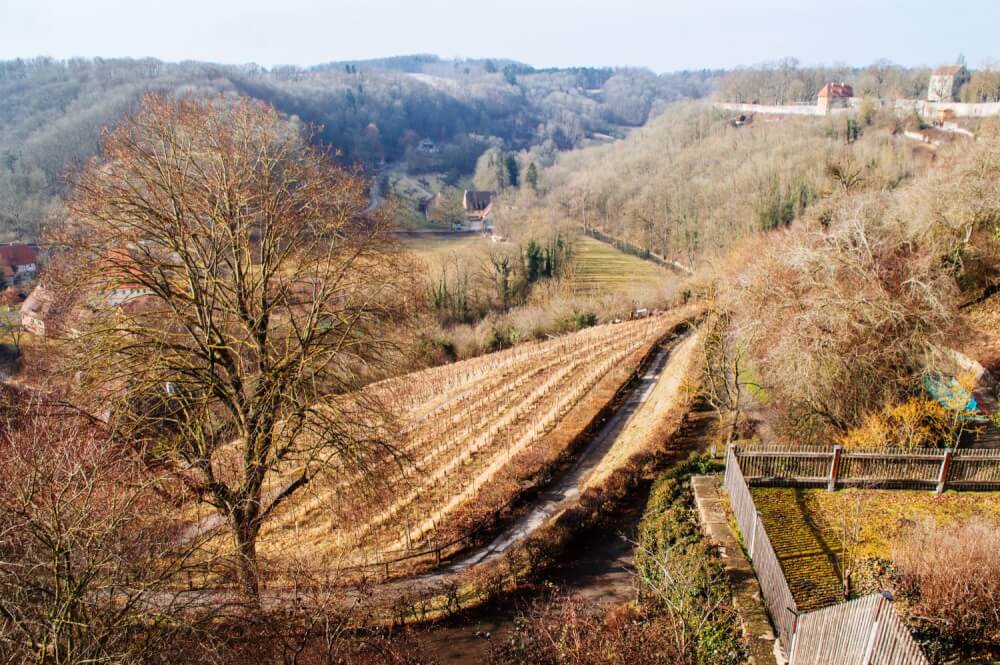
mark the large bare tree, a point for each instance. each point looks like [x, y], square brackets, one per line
[230, 294]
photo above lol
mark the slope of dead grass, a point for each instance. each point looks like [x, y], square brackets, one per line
[643, 431]
[811, 528]
[442, 251]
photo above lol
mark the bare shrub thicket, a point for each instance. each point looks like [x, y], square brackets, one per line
[957, 213]
[87, 562]
[950, 578]
[566, 631]
[842, 320]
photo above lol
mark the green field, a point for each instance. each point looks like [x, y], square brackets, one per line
[597, 267]
[600, 268]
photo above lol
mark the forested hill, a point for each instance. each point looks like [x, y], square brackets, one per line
[53, 111]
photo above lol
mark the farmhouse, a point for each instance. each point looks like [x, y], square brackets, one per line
[18, 260]
[125, 285]
[478, 209]
[945, 83]
[833, 95]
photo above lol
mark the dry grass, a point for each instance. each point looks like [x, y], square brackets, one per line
[439, 252]
[642, 433]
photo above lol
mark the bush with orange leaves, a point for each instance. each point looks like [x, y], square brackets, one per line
[918, 422]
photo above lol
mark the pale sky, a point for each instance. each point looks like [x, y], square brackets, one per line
[663, 35]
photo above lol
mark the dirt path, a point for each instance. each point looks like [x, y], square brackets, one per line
[600, 573]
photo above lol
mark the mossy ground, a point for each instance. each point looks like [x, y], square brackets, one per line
[816, 533]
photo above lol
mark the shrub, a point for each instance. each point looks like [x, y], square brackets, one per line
[916, 423]
[585, 320]
[566, 631]
[949, 578]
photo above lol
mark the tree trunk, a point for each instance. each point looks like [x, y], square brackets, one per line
[246, 551]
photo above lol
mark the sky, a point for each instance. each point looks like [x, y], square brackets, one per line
[664, 35]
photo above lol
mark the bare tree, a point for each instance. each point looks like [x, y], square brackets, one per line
[231, 293]
[725, 372]
[87, 566]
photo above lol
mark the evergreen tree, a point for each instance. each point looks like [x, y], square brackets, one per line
[502, 174]
[535, 262]
[531, 176]
[513, 170]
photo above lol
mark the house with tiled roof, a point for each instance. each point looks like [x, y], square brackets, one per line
[834, 94]
[35, 310]
[18, 259]
[478, 209]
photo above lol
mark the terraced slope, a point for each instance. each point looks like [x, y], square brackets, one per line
[460, 426]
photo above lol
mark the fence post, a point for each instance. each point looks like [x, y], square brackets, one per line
[943, 474]
[793, 640]
[834, 468]
[730, 454]
[753, 533]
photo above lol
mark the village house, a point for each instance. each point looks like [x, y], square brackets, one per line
[427, 145]
[478, 210]
[125, 286]
[833, 95]
[946, 82]
[18, 260]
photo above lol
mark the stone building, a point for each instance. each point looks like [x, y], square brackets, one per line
[946, 82]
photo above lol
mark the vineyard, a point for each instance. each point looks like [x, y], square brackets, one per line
[460, 427]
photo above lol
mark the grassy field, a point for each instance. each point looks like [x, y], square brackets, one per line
[441, 251]
[600, 268]
[811, 529]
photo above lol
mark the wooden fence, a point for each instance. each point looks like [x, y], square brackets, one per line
[864, 631]
[777, 594]
[832, 466]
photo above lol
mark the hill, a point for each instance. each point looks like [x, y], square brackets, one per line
[53, 112]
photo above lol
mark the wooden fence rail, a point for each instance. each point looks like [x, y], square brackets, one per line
[864, 631]
[816, 466]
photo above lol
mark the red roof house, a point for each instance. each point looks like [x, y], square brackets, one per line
[17, 258]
